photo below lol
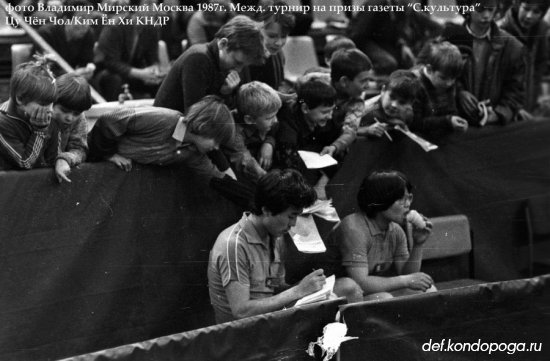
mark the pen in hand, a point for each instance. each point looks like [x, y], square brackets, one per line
[385, 131]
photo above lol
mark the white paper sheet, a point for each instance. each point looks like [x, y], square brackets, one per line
[427, 146]
[305, 235]
[320, 295]
[315, 161]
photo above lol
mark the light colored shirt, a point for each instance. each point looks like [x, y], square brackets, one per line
[364, 244]
[241, 255]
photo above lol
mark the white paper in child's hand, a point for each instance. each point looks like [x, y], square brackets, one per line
[314, 160]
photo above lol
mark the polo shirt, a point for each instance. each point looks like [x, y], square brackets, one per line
[241, 255]
[364, 244]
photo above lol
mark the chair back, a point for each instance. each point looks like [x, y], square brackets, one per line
[20, 53]
[300, 55]
[450, 237]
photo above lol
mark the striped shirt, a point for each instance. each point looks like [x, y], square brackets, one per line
[241, 255]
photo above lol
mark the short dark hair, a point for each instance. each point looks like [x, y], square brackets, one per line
[380, 190]
[404, 85]
[243, 34]
[33, 81]
[339, 42]
[280, 189]
[442, 56]
[316, 92]
[285, 20]
[210, 117]
[73, 92]
[543, 5]
[348, 63]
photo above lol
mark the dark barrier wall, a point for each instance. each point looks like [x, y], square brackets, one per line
[486, 174]
[282, 335]
[109, 259]
[506, 314]
[114, 258]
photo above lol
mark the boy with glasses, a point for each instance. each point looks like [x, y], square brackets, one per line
[371, 245]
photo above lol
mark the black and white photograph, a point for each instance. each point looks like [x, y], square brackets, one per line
[274, 180]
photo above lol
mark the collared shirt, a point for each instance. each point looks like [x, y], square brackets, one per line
[149, 135]
[364, 244]
[486, 35]
[241, 255]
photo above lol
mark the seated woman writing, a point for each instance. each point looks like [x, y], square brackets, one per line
[373, 242]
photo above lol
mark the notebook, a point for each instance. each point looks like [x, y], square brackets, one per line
[321, 295]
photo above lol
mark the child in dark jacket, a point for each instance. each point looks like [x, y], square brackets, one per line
[394, 105]
[439, 65]
[525, 21]
[493, 76]
[73, 98]
[28, 138]
[350, 72]
[307, 124]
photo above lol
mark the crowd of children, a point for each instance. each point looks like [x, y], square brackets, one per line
[221, 112]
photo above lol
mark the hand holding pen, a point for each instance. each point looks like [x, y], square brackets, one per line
[380, 129]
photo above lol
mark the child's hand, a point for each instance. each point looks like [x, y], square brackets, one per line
[419, 235]
[407, 54]
[330, 150]
[62, 170]
[459, 123]
[121, 162]
[231, 82]
[492, 117]
[41, 117]
[524, 115]
[149, 75]
[469, 104]
[266, 156]
[85, 72]
[376, 129]
[419, 281]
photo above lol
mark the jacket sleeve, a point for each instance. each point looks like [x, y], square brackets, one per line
[241, 159]
[23, 153]
[513, 86]
[270, 138]
[74, 152]
[286, 152]
[345, 139]
[109, 128]
[196, 75]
